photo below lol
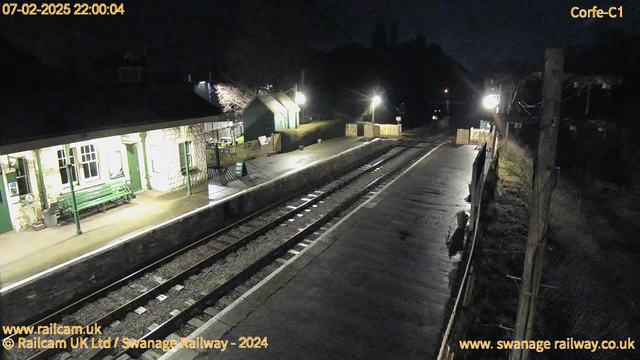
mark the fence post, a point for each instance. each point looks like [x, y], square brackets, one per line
[472, 190]
[217, 156]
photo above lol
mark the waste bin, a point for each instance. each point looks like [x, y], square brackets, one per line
[50, 218]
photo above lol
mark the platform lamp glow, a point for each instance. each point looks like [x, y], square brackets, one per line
[490, 102]
[300, 98]
[374, 102]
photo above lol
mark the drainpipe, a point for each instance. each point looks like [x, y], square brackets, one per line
[185, 129]
[43, 191]
[73, 194]
[143, 139]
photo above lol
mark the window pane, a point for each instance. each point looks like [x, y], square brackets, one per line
[93, 166]
[23, 186]
[62, 162]
[63, 176]
[22, 165]
[89, 159]
[22, 176]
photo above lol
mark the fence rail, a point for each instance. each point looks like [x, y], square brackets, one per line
[485, 164]
[249, 150]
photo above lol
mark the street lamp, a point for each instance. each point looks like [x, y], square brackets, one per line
[490, 101]
[446, 93]
[300, 98]
[375, 102]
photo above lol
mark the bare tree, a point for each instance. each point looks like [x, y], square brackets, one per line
[232, 98]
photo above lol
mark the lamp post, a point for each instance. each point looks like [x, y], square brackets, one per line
[74, 202]
[185, 144]
[446, 93]
[300, 100]
[376, 100]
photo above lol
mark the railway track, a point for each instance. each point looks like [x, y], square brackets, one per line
[186, 288]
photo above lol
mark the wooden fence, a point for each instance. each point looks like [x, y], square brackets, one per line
[462, 137]
[248, 150]
[479, 136]
[390, 129]
[371, 130]
[376, 130]
[485, 167]
[474, 136]
[351, 130]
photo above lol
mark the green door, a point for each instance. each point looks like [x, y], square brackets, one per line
[134, 167]
[5, 217]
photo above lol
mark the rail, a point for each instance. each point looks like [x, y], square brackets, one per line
[150, 294]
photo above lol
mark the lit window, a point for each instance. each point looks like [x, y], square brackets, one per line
[181, 148]
[62, 166]
[89, 161]
[22, 176]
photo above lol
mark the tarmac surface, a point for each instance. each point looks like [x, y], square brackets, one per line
[374, 286]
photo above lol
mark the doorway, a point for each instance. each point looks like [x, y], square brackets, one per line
[134, 167]
[5, 216]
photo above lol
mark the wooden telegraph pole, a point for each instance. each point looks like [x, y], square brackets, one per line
[543, 182]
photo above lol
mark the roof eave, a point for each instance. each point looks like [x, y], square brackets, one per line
[100, 133]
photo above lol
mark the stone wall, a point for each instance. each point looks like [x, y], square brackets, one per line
[22, 214]
[52, 289]
[164, 152]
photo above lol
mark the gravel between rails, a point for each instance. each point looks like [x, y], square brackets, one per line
[135, 326]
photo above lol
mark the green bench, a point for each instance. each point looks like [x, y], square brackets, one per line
[94, 196]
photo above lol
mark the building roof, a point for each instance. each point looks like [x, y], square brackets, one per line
[50, 115]
[276, 102]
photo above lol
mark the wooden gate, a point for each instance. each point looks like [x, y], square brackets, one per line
[351, 130]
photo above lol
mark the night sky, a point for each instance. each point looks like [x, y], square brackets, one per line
[187, 34]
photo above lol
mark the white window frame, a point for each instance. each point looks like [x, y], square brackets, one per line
[74, 165]
[87, 158]
[24, 166]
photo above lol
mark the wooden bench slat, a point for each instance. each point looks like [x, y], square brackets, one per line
[90, 197]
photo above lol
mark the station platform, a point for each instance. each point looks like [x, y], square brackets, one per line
[26, 253]
[373, 286]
